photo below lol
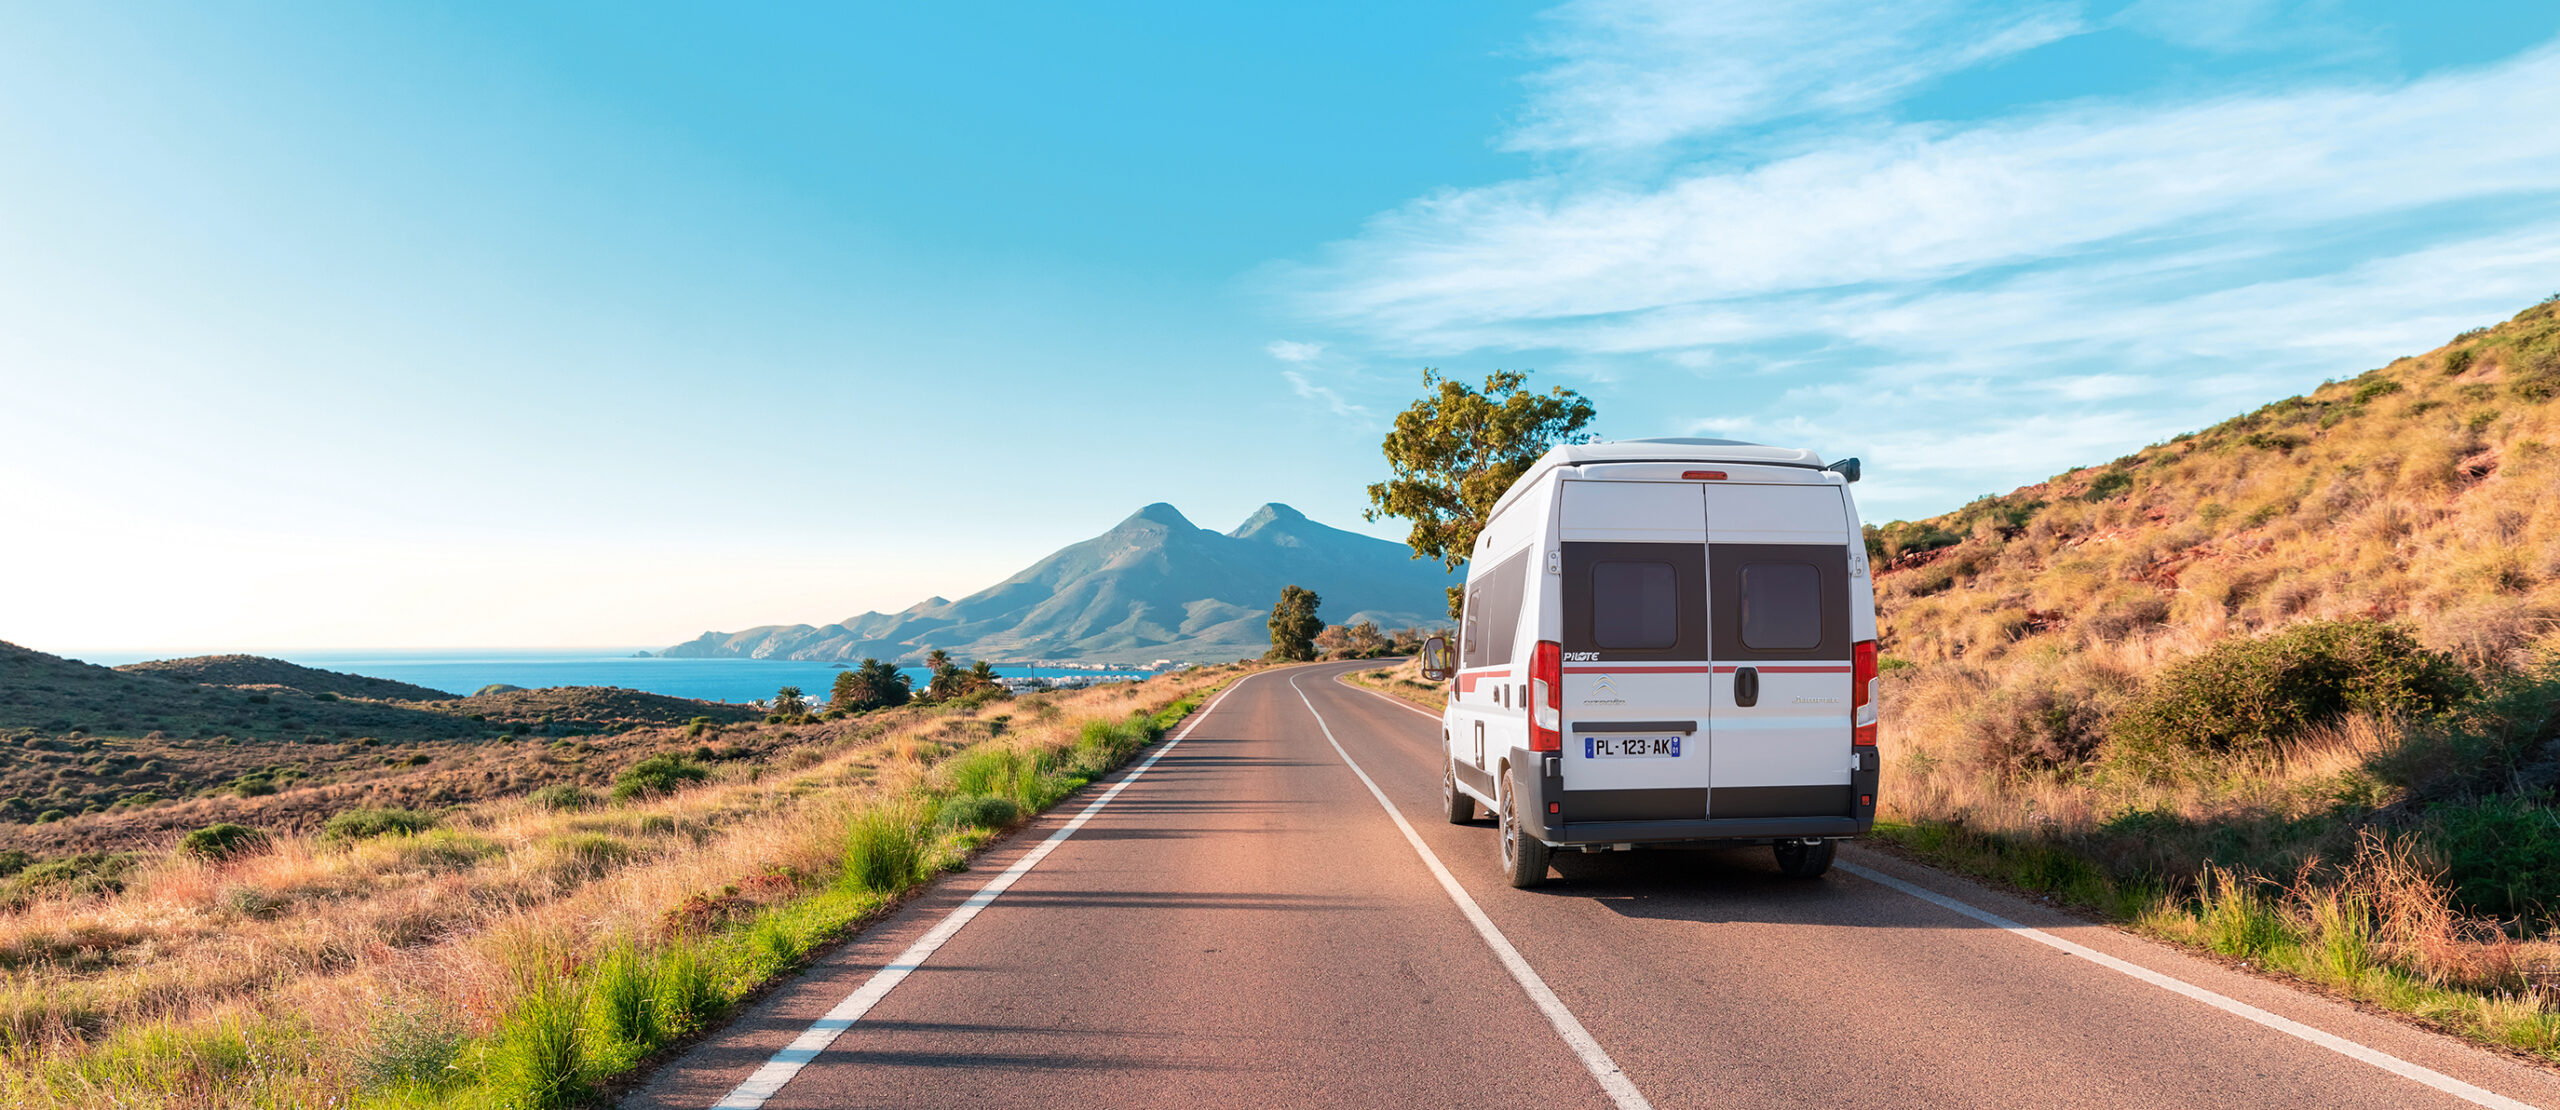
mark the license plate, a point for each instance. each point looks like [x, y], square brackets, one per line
[1630, 747]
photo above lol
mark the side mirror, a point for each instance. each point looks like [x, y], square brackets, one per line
[1437, 661]
[1846, 468]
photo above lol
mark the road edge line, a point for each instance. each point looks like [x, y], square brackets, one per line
[1613, 1079]
[785, 1064]
[2227, 1004]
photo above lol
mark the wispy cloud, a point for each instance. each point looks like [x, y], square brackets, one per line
[1292, 351]
[1629, 74]
[1324, 395]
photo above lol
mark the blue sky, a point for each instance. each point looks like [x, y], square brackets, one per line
[329, 326]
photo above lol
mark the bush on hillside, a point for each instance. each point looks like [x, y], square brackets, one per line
[978, 811]
[2502, 854]
[565, 797]
[366, 823]
[214, 843]
[664, 773]
[2041, 728]
[2256, 694]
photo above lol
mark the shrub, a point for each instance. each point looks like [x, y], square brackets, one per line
[2458, 360]
[2379, 387]
[411, 1045]
[698, 726]
[664, 773]
[2040, 728]
[884, 852]
[221, 842]
[2502, 853]
[366, 823]
[2258, 693]
[565, 797]
[50, 816]
[978, 811]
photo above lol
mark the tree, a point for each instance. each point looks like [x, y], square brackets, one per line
[982, 676]
[937, 659]
[787, 702]
[1294, 625]
[873, 685]
[1456, 451]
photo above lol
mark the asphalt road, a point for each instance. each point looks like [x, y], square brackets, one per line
[1244, 924]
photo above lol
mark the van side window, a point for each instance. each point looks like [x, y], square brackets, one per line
[1781, 606]
[1634, 606]
[1494, 610]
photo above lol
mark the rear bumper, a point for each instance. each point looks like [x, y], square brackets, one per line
[1549, 810]
[1728, 828]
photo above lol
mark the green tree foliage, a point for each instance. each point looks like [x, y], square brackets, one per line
[1294, 625]
[873, 685]
[1353, 641]
[787, 702]
[1456, 451]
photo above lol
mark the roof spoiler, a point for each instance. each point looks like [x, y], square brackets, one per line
[1847, 469]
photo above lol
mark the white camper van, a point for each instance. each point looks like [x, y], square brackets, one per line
[1666, 642]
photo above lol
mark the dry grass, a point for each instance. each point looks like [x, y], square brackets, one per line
[288, 976]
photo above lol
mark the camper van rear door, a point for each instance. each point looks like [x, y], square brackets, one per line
[1778, 589]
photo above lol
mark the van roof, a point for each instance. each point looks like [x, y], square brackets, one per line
[1667, 449]
[1679, 450]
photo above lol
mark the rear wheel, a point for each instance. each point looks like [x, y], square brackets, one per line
[1460, 807]
[1524, 857]
[1799, 859]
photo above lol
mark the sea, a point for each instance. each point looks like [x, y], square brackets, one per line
[463, 671]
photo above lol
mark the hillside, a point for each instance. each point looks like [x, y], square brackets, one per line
[2286, 689]
[1154, 585]
[255, 670]
[95, 756]
[2425, 490]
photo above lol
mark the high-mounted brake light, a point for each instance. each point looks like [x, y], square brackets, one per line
[1703, 475]
[1546, 697]
[1862, 693]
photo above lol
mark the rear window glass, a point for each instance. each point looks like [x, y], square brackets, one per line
[1634, 606]
[1781, 606]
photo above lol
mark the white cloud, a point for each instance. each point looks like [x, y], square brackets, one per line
[1634, 73]
[1924, 203]
[1292, 351]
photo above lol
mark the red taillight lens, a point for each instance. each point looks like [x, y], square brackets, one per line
[1703, 475]
[1862, 693]
[1546, 697]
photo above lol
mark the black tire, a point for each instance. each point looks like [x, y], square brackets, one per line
[1799, 860]
[1524, 857]
[1460, 806]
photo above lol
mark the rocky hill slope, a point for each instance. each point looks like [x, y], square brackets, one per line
[2426, 490]
[1154, 585]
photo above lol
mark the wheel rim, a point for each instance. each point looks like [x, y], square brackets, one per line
[1510, 831]
[1449, 785]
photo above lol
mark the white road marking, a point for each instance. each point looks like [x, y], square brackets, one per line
[2222, 1002]
[2225, 1003]
[1622, 1090]
[768, 1080]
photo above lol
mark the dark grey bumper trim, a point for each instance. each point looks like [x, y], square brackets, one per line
[1730, 828]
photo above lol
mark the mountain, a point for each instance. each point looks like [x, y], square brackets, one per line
[1155, 585]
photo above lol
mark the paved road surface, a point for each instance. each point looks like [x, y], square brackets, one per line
[1245, 925]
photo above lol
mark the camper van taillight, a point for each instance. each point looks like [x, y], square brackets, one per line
[1702, 475]
[1546, 697]
[1862, 693]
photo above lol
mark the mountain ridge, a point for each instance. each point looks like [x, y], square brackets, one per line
[1154, 584]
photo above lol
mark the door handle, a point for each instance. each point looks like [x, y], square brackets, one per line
[1746, 686]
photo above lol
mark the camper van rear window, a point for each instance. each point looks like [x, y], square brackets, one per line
[1781, 606]
[1634, 606]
